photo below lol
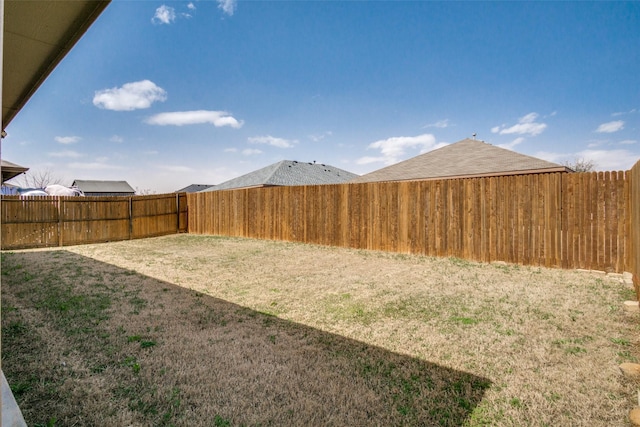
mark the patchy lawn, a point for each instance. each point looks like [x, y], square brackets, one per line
[206, 331]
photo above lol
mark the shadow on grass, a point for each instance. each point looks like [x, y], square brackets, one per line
[90, 343]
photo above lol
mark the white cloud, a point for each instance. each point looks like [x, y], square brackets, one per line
[191, 6]
[597, 143]
[393, 149]
[622, 113]
[275, 142]
[176, 168]
[441, 124]
[611, 127]
[227, 6]
[605, 142]
[527, 125]
[93, 166]
[320, 137]
[610, 160]
[604, 160]
[164, 15]
[230, 150]
[181, 118]
[251, 151]
[529, 118]
[367, 160]
[552, 157]
[67, 153]
[510, 145]
[67, 139]
[117, 139]
[131, 96]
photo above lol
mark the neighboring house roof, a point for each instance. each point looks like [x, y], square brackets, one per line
[288, 172]
[36, 36]
[194, 188]
[103, 187]
[11, 170]
[463, 159]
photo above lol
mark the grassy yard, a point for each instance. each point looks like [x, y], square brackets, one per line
[191, 330]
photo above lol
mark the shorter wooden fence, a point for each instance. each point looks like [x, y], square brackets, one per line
[36, 222]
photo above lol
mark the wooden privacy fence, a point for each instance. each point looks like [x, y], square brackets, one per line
[62, 221]
[634, 259]
[575, 220]
[568, 220]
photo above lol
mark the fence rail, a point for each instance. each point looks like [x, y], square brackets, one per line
[563, 220]
[34, 222]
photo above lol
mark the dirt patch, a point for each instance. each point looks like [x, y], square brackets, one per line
[202, 330]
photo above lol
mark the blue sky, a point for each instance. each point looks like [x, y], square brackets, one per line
[164, 94]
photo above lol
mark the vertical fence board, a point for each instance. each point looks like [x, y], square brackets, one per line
[593, 210]
[600, 220]
[611, 226]
[623, 232]
[581, 213]
[634, 228]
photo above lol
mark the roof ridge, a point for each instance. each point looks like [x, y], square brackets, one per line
[276, 167]
[467, 157]
[288, 172]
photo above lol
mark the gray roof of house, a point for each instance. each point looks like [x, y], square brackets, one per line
[193, 188]
[103, 186]
[8, 164]
[288, 172]
[466, 158]
[11, 170]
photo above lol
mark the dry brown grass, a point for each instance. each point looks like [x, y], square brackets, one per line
[199, 330]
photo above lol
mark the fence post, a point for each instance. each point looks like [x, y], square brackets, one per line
[60, 227]
[177, 213]
[130, 217]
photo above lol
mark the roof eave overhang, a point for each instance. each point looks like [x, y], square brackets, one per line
[37, 35]
[10, 172]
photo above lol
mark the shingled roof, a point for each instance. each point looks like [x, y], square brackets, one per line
[193, 188]
[463, 159]
[11, 170]
[288, 172]
[107, 188]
